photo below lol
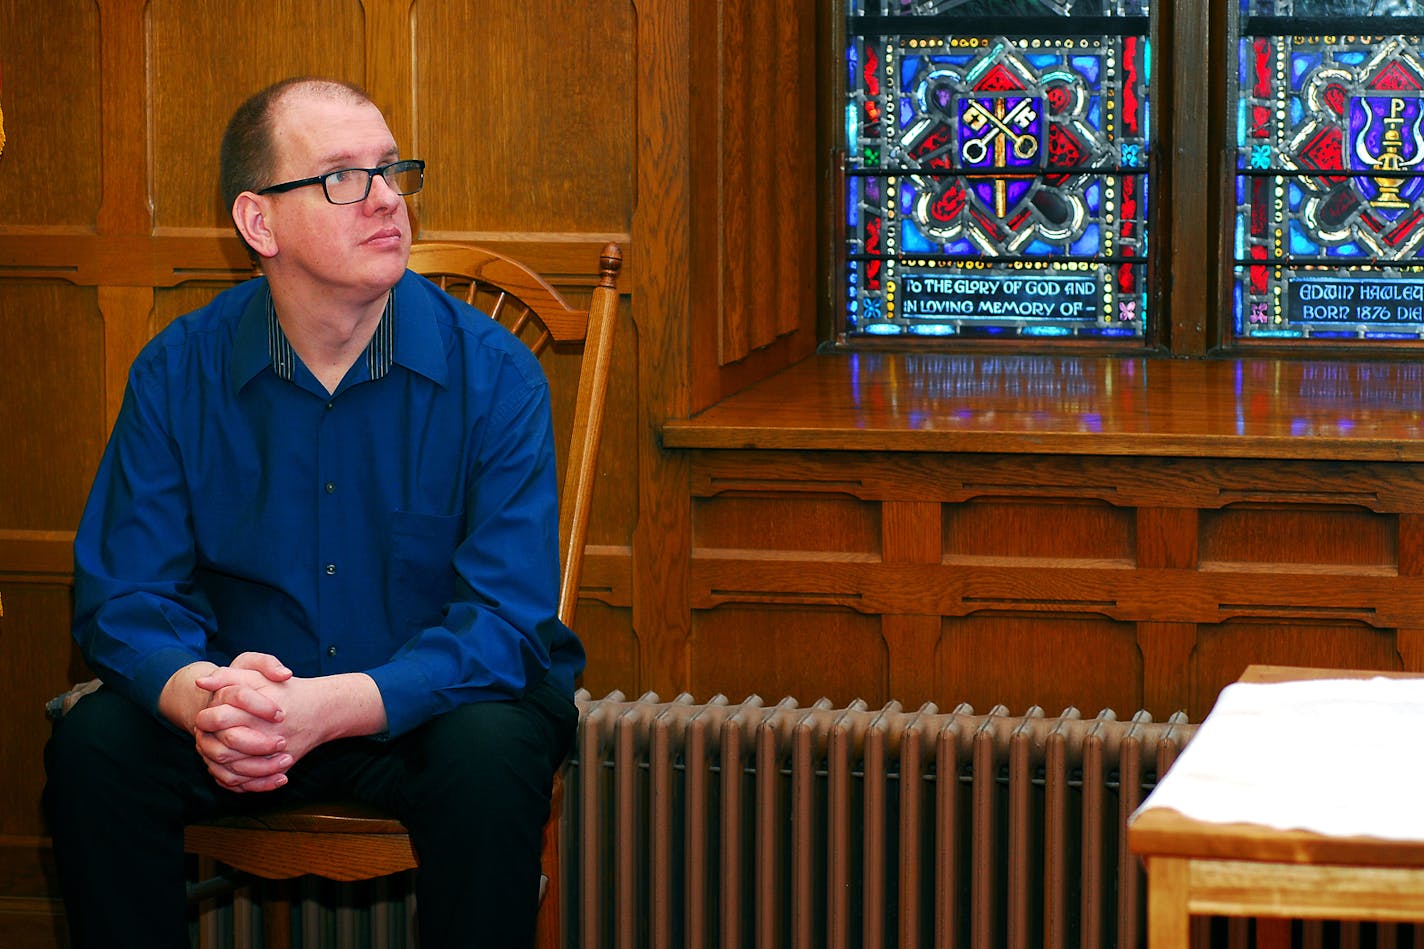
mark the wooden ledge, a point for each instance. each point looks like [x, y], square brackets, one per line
[1074, 405]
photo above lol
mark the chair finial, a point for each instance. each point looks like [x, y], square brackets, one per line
[610, 261]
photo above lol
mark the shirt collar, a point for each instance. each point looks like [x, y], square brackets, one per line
[407, 336]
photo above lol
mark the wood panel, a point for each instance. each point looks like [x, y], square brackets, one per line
[198, 78]
[756, 201]
[46, 470]
[52, 114]
[1059, 579]
[518, 115]
[801, 651]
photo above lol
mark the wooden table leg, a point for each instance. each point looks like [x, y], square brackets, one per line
[1168, 919]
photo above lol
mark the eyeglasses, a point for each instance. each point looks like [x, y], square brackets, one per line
[351, 185]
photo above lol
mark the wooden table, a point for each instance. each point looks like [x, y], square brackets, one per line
[1251, 870]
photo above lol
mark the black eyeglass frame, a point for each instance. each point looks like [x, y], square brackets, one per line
[403, 165]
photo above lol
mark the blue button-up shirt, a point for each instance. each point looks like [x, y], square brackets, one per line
[404, 526]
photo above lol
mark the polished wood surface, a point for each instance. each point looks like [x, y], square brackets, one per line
[1201, 867]
[1237, 408]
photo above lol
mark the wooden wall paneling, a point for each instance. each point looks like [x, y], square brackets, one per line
[911, 533]
[127, 315]
[123, 150]
[52, 115]
[51, 403]
[613, 652]
[802, 651]
[1225, 650]
[389, 74]
[662, 551]
[1298, 534]
[737, 85]
[1095, 550]
[524, 113]
[1409, 640]
[794, 207]
[1167, 661]
[1037, 529]
[1167, 538]
[1026, 659]
[754, 205]
[206, 58]
[34, 654]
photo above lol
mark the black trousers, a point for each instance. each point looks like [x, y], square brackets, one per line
[472, 786]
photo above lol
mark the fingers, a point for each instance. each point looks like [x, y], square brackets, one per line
[242, 772]
[270, 666]
[241, 697]
[225, 741]
[236, 781]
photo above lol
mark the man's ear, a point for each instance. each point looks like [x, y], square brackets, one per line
[250, 216]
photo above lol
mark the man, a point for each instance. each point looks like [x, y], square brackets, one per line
[320, 556]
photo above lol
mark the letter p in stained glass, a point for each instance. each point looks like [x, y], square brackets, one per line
[1330, 171]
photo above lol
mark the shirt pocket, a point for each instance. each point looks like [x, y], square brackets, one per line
[422, 573]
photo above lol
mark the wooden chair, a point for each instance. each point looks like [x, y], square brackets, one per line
[347, 841]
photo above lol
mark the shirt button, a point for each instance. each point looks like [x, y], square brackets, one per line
[331, 650]
[330, 406]
[331, 487]
[331, 570]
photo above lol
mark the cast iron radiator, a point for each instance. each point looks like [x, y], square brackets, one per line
[724, 825]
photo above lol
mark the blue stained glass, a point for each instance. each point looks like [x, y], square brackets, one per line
[853, 203]
[1090, 243]
[1087, 67]
[1300, 66]
[912, 241]
[908, 196]
[1352, 58]
[1301, 244]
[1093, 196]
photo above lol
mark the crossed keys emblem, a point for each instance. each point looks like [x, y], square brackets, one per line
[1003, 129]
[1001, 132]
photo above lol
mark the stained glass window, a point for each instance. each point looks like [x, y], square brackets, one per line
[1329, 170]
[996, 180]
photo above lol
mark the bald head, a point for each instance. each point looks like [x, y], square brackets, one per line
[248, 153]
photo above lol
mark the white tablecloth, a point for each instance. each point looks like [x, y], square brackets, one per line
[1343, 757]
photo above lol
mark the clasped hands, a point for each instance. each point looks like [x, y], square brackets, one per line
[259, 721]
